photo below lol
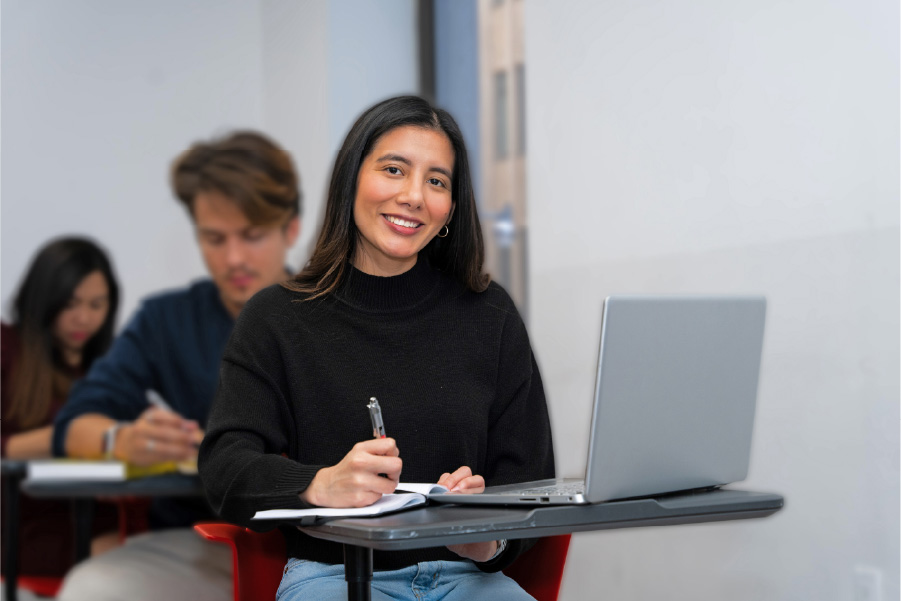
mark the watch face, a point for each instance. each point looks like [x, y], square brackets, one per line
[501, 545]
[109, 440]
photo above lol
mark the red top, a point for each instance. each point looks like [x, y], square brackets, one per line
[46, 546]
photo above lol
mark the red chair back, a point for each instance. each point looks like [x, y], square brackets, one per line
[259, 558]
[539, 571]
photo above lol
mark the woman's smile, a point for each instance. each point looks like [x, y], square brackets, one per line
[403, 226]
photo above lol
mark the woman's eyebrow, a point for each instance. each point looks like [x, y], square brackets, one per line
[442, 171]
[402, 159]
[394, 157]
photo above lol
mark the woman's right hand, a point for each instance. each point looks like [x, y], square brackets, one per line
[356, 481]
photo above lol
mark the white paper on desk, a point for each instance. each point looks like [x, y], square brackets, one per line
[425, 489]
[414, 494]
[75, 470]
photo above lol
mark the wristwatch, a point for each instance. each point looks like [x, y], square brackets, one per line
[501, 546]
[109, 439]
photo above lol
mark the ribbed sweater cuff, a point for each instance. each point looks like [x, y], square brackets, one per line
[288, 487]
[514, 549]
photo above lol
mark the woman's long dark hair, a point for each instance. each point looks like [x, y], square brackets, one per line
[460, 254]
[51, 280]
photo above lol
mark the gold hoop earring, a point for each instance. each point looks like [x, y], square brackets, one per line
[446, 232]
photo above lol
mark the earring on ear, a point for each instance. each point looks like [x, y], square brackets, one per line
[446, 231]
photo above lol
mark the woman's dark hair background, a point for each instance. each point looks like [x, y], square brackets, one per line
[48, 285]
[461, 254]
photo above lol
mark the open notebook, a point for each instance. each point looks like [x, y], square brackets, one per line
[408, 495]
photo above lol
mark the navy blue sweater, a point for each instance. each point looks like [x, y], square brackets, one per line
[173, 344]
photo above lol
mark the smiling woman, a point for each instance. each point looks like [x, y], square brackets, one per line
[393, 304]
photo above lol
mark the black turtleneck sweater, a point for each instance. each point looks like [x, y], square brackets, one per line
[452, 369]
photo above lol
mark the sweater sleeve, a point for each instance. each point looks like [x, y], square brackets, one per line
[243, 462]
[520, 446]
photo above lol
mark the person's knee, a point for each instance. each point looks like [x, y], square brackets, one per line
[170, 565]
[122, 574]
[321, 590]
[312, 580]
[497, 587]
[89, 582]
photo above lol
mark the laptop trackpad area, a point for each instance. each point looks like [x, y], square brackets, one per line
[539, 492]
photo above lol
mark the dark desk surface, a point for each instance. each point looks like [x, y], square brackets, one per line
[13, 467]
[450, 524]
[164, 485]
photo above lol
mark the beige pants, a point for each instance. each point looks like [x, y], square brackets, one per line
[166, 565]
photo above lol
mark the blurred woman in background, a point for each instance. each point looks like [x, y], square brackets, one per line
[64, 314]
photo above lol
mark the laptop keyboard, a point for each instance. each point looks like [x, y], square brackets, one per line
[565, 489]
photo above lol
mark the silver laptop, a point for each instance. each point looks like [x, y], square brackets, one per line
[673, 404]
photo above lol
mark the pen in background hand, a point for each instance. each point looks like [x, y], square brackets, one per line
[154, 398]
[375, 413]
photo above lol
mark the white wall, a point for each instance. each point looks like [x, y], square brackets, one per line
[99, 96]
[368, 61]
[296, 99]
[730, 147]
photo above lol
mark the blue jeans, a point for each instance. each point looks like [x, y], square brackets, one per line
[427, 581]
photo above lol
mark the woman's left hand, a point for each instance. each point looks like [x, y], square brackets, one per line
[463, 481]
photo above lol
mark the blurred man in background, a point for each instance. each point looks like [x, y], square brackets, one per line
[242, 193]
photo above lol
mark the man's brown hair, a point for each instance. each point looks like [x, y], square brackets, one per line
[246, 167]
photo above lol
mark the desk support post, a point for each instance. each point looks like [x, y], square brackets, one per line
[11, 536]
[358, 572]
[84, 518]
